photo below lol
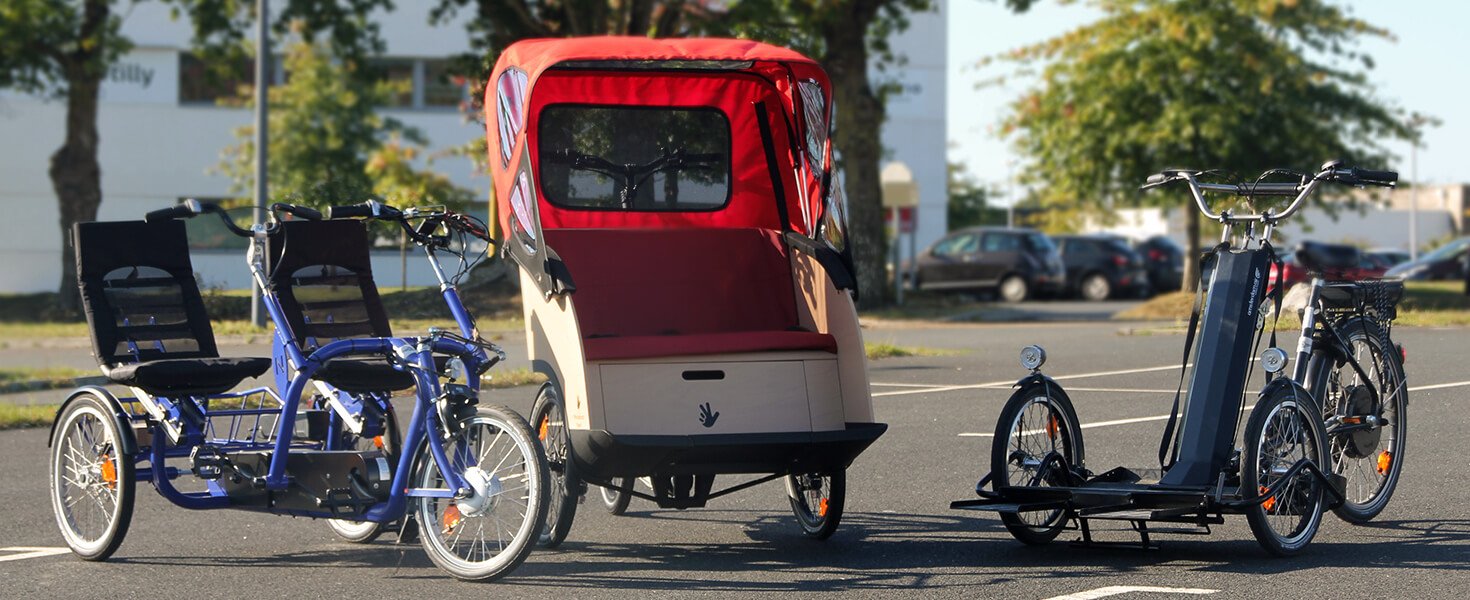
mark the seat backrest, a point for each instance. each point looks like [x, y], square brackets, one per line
[138, 290]
[322, 274]
[633, 282]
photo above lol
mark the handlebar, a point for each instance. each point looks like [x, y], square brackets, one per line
[185, 209]
[303, 212]
[1330, 171]
[432, 217]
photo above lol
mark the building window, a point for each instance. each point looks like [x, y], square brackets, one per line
[400, 73]
[198, 84]
[441, 87]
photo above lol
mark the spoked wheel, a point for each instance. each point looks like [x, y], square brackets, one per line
[1036, 440]
[362, 532]
[1365, 437]
[616, 501]
[817, 499]
[1284, 428]
[92, 483]
[565, 486]
[488, 534]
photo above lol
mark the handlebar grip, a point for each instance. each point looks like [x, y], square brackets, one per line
[185, 209]
[310, 214]
[1383, 178]
[355, 211]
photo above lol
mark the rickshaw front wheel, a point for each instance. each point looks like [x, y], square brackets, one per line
[616, 501]
[548, 417]
[362, 532]
[92, 482]
[817, 499]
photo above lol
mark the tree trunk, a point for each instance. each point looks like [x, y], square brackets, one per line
[1191, 249]
[75, 174]
[859, 122]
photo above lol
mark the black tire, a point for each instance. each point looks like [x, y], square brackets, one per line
[1015, 459]
[549, 421]
[390, 443]
[1013, 289]
[817, 499]
[92, 485]
[615, 501]
[1283, 428]
[524, 508]
[1095, 288]
[1369, 460]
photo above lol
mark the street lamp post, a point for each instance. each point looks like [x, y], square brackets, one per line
[262, 79]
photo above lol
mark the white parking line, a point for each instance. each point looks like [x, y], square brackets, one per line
[1114, 590]
[1009, 382]
[1437, 386]
[30, 552]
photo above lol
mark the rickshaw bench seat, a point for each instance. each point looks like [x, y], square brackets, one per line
[651, 346]
[188, 376]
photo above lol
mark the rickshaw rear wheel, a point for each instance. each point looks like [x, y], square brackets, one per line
[818, 499]
[1284, 428]
[92, 482]
[362, 532]
[549, 420]
[616, 501]
[1037, 422]
[487, 535]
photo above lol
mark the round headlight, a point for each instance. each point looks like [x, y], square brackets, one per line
[456, 371]
[1032, 357]
[1273, 360]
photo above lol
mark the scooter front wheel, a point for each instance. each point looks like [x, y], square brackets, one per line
[490, 531]
[92, 482]
[1036, 440]
[1284, 428]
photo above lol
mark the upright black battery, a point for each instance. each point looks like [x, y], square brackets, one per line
[1221, 359]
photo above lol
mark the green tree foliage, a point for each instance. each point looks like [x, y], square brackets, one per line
[330, 145]
[1240, 85]
[969, 202]
[62, 49]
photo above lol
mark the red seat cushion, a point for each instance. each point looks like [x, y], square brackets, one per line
[651, 346]
[669, 292]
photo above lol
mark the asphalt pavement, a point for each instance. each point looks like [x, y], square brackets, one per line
[898, 535]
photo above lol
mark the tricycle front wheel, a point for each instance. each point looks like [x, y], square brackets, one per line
[817, 499]
[92, 485]
[489, 533]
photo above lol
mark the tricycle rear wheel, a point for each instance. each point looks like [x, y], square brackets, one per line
[92, 481]
[1037, 423]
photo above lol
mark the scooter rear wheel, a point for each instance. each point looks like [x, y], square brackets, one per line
[1037, 422]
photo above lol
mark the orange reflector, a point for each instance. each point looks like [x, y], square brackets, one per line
[541, 432]
[1352, 420]
[451, 519]
[1051, 426]
[109, 471]
[1385, 460]
[822, 508]
[378, 442]
[1270, 502]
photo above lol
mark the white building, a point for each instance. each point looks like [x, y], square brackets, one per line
[161, 133]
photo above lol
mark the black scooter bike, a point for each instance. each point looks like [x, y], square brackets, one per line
[1281, 475]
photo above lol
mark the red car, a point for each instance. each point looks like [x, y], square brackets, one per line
[1293, 272]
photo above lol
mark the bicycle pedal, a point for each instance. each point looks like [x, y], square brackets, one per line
[207, 462]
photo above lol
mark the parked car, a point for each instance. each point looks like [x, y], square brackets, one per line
[1445, 262]
[1164, 261]
[1100, 266]
[1015, 263]
[1296, 273]
[1387, 258]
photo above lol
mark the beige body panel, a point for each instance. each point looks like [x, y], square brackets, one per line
[769, 396]
[826, 309]
[554, 341]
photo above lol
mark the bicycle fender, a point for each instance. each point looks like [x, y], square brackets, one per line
[119, 417]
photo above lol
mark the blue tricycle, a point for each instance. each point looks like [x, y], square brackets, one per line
[470, 478]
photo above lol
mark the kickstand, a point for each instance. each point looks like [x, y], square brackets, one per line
[1140, 526]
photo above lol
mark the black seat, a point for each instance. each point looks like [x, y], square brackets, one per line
[1318, 257]
[147, 319]
[323, 275]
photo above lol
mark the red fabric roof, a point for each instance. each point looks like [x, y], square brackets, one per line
[535, 56]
